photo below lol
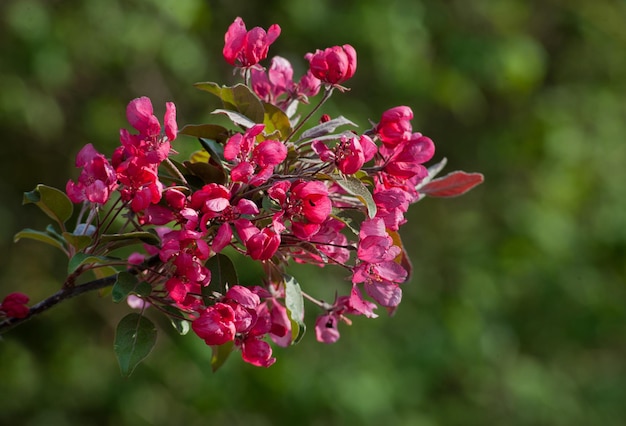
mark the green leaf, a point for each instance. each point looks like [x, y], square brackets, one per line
[214, 149]
[135, 337]
[294, 302]
[207, 172]
[237, 98]
[275, 120]
[180, 325]
[221, 354]
[80, 259]
[44, 237]
[236, 117]
[355, 187]
[326, 128]
[132, 238]
[78, 241]
[128, 283]
[51, 201]
[206, 131]
[223, 275]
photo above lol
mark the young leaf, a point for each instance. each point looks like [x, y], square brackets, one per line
[80, 259]
[135, 337]
[220, 354]
[294, 302]
[215, 151]
[78, 241]
[355, 187]
[223, 274]
[39, 236]
[127, 283]
[276, 120]
[238, 98]
[51, 201]
[452, 185]
[326, 128]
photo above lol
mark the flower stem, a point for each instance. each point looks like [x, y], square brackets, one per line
[327, 93]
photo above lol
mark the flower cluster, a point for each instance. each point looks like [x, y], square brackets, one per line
[267, 189]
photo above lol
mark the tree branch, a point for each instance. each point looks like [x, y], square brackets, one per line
[59, 296]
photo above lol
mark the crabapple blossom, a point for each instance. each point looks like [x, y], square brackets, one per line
[244, 48]
[333, 65]
[14, 305]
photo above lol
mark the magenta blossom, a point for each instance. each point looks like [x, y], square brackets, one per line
[244, 48]
[254, 162]
[14, 305]
[395, 125]
[97, 180]
[333, 65]
[148, 144]
[349, 154]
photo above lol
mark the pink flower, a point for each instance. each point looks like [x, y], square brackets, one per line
[140, 184]
[14, 305]
[148, 144]
[270, 86]
[257, 352]
[244, 48]
[250, 157]
[349, 154]
[97, 179]
[326, 330]
[333, 65]
[395, 125]
[215, 325]
[260, 244]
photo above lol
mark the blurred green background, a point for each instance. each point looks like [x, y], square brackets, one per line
[515, 313]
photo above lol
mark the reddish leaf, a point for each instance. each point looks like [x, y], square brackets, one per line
[452, 185]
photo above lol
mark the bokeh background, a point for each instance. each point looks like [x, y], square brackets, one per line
[515, 313]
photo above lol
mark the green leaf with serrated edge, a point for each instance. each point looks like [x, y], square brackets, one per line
[276, 120]
[132, 237]
[128, 283]
[78, 241]
[206, 131]
[294, 302]
[326, 128]
[80, 259]
[223, 275]
[221, 354]
[51, 201]
[182, 326]
[44, 237]
[135, 337]
[355, 187]
[236, 117]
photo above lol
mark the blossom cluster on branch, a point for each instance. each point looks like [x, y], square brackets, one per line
[266, 188]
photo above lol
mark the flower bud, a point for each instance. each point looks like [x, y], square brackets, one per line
[333, 65]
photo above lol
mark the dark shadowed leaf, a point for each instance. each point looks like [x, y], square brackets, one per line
[452, 185]
[80, 259]
[223, 275]
[128, 283]
[135, 337]
[206, 131]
